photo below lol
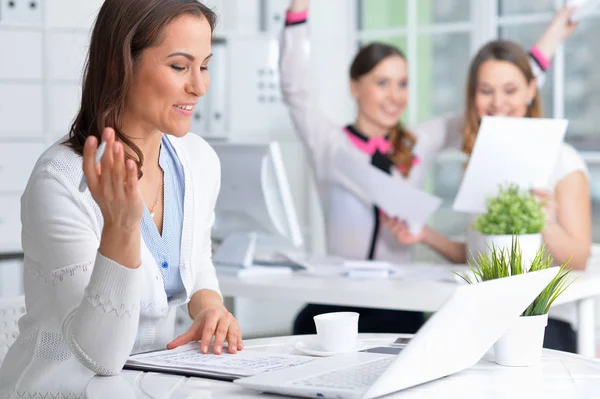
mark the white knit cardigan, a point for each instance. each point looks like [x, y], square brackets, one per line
[85, 313]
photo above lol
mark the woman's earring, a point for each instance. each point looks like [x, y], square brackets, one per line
[529, 102]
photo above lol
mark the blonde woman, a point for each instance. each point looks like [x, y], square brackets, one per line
[502, 83]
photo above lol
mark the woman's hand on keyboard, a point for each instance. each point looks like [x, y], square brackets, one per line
[212, 322]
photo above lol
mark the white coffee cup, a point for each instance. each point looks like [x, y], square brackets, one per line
[337, 331]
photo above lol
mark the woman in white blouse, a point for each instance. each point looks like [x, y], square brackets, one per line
[106, 267]
[501, 83]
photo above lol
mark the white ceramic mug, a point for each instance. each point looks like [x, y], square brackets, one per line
[337, 331]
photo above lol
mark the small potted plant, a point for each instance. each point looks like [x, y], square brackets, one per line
[511, 212]
[521, 344]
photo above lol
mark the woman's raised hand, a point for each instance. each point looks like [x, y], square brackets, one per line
[558, 31]
[114, 186]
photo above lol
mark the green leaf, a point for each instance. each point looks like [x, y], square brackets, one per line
[502, 263]
[511, 212]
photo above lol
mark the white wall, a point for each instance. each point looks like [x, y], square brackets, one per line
[42, 50]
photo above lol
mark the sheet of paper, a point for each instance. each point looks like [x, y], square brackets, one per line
[367, 264]
[391, 193]
[428, 272]
[522, 151]
[242, 364]
[585, 8]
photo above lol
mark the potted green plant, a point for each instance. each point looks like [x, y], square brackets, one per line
[521, 344]
[511, 212]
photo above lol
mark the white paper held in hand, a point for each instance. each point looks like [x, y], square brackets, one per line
[585, 8]
[520, 151]
[99, 154]
[391, 193]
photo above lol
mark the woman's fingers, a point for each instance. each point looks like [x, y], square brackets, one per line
[540, 191]
[118, 171]
[221, 333]
[564, 15]
[240, 344]
[208, 331]
[542, 195]
[183, 339]
[232, 338]
[131, 180]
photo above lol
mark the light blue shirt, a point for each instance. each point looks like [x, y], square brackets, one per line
[166, 248]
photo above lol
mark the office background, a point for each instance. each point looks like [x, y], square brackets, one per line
[42, 51]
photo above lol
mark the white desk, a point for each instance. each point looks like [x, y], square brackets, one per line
[561, 376]
[424, 296]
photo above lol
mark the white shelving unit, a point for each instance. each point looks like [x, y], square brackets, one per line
[43, 46]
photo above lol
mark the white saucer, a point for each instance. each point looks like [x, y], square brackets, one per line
[310, 346]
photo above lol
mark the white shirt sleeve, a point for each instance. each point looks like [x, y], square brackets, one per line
[95, 300]
[568, 161]
[320, 136]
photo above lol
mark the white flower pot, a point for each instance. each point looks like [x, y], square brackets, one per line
[521, 345]
[529, 244]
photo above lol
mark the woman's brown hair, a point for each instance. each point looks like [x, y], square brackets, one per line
[401, 140]
[122, 31]
[499, 50]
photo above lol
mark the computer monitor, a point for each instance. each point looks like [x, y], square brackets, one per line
[255, 205]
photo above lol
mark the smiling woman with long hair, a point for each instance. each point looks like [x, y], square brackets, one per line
[501, 82]
[106, 266]
[378, 80]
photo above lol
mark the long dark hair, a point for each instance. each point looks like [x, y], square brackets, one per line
[122, 31]
[500, 50]
[402, 141]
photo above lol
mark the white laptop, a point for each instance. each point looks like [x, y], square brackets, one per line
[453, 339]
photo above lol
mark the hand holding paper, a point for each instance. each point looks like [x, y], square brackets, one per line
[584, 8]
[391, 193]
[521, 151]
[402, 232]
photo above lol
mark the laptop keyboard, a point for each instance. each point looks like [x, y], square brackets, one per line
[360, 376]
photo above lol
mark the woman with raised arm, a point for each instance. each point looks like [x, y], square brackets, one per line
[109, 259]
[501, 83]
[379, 84]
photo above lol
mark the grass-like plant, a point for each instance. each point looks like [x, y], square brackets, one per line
[512, 211]
[502, 262]
[498, 264]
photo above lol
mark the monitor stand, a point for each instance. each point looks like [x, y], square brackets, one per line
[236, 253]
[236, 250]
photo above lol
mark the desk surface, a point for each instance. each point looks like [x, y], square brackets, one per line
[421, 294]
[561, 375]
